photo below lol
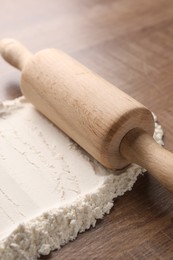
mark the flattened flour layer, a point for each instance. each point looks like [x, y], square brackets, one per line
[50, 189]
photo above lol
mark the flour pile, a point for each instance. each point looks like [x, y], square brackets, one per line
[50, 189]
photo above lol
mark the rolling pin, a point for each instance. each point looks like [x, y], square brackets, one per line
[110, 125]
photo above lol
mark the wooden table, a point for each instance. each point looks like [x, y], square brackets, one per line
[130, 43]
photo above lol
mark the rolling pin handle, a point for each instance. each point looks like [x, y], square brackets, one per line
[14, 53]
[140, 148]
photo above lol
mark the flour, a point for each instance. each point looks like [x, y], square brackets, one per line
[50, 189]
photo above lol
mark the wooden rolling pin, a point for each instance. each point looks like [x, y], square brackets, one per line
[110, 125]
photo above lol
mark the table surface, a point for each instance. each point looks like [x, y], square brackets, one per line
[129, 43]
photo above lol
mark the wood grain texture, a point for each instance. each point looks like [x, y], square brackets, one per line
[129, 43]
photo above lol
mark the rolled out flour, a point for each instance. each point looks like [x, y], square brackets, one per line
[50, 189]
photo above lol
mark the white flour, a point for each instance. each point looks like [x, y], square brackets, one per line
[50, 189]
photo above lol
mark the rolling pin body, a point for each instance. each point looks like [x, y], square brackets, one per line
[111, 126]
[93, 112]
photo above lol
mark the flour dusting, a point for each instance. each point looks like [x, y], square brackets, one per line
[50, 189]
